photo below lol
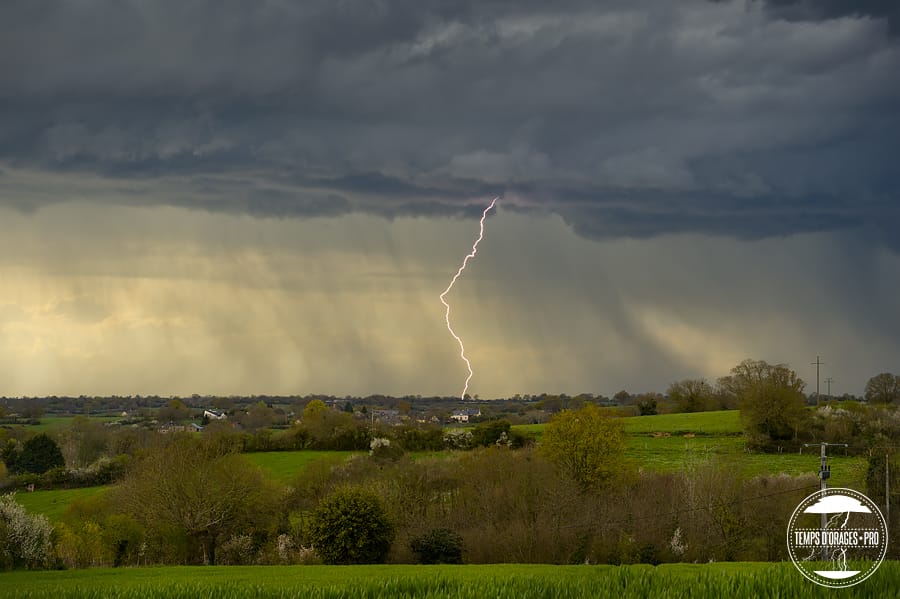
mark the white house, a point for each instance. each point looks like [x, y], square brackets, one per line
[464, 414]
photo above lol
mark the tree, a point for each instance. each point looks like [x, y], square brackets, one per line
[623, 397]
[315, 410]
[438, 546]
[192, 488]
[488, 433]
[26, 540]
[588, 444]
[648, 403]
[174, 411]
[39, 454]
[770, 398]
[84, 441]
[691, 395]
[258, 416]
[883, 388]
[351, 527]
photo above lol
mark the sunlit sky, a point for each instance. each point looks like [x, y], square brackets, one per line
[199, 197]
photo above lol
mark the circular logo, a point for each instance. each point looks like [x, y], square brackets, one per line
[837, 537]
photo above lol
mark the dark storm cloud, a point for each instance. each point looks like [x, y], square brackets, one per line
[626, 118]
[826, 9]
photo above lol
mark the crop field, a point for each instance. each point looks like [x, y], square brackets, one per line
[502, 581]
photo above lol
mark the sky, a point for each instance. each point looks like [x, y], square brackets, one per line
[268, 197]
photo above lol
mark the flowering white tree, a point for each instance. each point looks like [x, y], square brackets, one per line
[25, 539]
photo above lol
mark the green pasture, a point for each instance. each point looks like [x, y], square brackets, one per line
[55, 423]
[285, 465]
[672, 454]
[725, 422]
[54, 504]
[501, 581]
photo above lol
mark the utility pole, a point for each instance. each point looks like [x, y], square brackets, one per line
[817, 363]
[887, 490]
[828, 381]
[824, 475]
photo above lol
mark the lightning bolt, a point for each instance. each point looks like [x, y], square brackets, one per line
[462, 348]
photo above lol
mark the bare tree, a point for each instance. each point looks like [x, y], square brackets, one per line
[191, 487]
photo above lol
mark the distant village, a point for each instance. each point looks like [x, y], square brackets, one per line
[195, 412]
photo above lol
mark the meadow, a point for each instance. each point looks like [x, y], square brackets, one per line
[54, 503]
[55, 423]
[282, 466]
[657, 443]
[501, 581]
[674, 442]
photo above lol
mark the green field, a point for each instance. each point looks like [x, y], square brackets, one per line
[55, 423]
[716, 436]
[285, 465]
[726, 422]
[54, 504]
[501, 581]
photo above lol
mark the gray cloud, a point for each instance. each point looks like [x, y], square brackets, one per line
[828, 9]
[626, 118]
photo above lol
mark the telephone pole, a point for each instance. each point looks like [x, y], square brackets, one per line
[817, 363]
[887, 489]
[824, 475]
[828, 381]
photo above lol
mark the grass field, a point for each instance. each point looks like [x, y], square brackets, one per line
[53, 504]
[284, 465]
[502, 581]
[54, 423]
[726, 422]
[716, 436]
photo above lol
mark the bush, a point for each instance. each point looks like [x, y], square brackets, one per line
[351, 527]
[25, 539]
[438, 546]
[419, 439]
[488, 433]
[381, 449]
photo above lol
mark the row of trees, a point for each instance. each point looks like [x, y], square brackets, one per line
[490, 505]
[774, 408]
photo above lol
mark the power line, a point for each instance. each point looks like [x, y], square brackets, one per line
[817, 363]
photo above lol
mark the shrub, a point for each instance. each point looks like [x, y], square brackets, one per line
[438, 546]
[351, 527]
[25, 539]
[488, 433]
[381, 449]
[237, 551]
[458, 439]
[419, 439]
